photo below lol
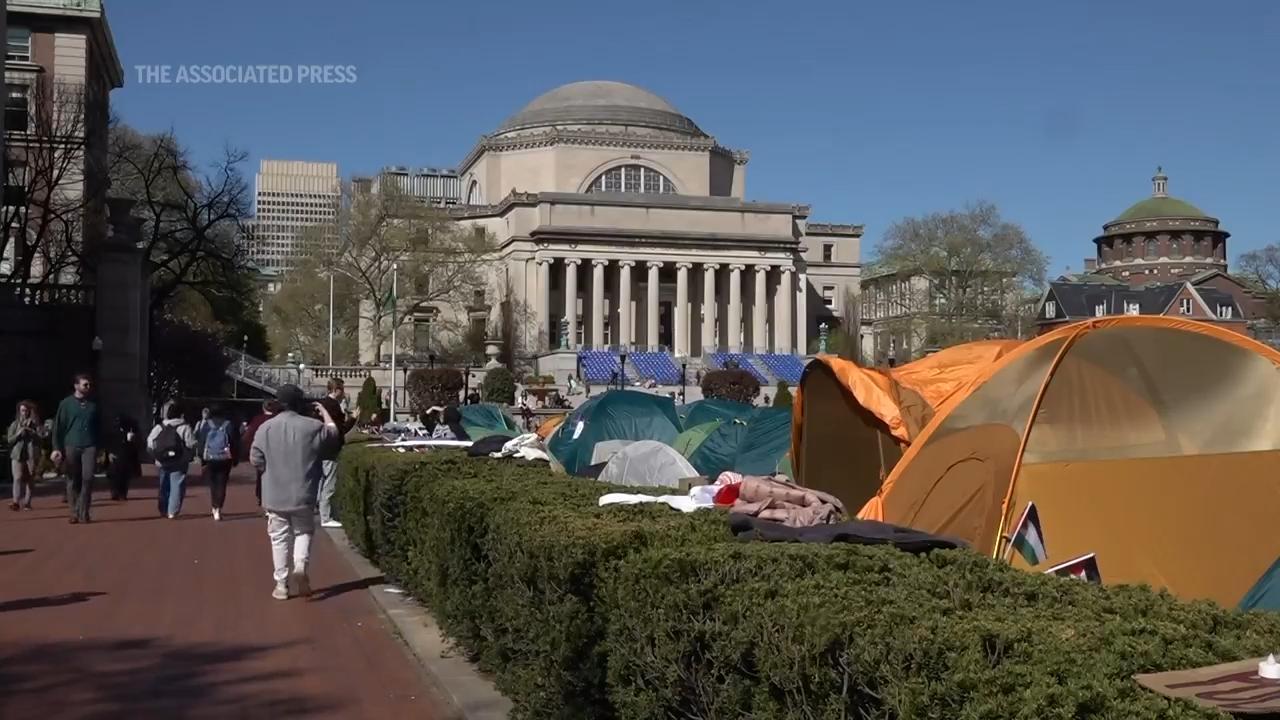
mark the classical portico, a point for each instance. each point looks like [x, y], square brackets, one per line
[622, 225]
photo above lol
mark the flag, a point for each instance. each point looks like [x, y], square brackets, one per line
[1028, 538]
[1084, 568]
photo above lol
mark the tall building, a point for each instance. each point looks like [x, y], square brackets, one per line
[433, 186]
[291, 197]
[1162, 256]
[60, 68]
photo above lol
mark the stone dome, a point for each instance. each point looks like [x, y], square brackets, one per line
[600, 102]
[1160, 204]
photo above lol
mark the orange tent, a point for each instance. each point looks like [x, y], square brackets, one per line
[1151, 442]
[849, 423]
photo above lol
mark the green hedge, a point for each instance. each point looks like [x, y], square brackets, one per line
[643, 612]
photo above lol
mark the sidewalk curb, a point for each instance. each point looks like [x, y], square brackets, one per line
[468, 694]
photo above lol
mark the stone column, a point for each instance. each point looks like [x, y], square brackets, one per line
[597, 303]
[122, 317]
[802, 313]
[734, 331]
[681, 312]
[759, 337]
[652, 315]
[624, 302]
[709, 307]
[782, 311]
[571, 300]
[542, 301]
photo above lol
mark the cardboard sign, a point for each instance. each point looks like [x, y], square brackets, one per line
[1232, 687]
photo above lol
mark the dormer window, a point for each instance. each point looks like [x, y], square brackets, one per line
[1100, 309]
[1131, 307]
[1225, 311]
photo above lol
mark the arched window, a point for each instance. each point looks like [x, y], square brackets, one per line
[632, 179]
[473, 194]
[1128, 248]
[1152, 250]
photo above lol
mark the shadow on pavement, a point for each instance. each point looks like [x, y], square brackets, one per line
[48, 601]
[126, 678]
[346, 587]
[20, 551]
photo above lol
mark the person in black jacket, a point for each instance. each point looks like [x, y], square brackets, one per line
[125, 457]
[332, 403]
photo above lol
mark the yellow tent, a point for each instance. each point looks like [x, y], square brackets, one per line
[1149, 441]
[850, 423]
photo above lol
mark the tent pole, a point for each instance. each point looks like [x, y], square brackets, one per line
[1001, 540]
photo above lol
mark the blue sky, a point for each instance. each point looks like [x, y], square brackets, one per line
[1057, 112]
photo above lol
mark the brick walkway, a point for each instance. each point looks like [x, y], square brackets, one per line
[138, 616]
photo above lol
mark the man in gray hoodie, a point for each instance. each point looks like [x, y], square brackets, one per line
[287, 451]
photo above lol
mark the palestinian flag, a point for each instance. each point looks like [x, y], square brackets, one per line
[1028, 538]
[1084, 568]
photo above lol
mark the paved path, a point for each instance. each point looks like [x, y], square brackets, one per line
[139, 616]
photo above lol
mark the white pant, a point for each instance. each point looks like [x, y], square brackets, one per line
[290, 535]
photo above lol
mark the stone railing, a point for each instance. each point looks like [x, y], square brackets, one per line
[46, 295]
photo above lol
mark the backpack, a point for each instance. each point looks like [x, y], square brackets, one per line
[170, 451]
[217, 442]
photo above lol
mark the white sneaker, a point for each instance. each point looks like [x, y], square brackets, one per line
[281, 592]
[217, 513]
[331, 524]
[172, 516]
[302, 584]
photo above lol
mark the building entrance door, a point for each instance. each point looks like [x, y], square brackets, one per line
[666, 335]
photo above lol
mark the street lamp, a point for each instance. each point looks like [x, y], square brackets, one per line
[623, 373]
[301, 367]
[431, 361]
[684, 377]
[466, 383]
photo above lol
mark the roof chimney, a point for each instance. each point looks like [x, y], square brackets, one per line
[1090, 264]
[1160, 183]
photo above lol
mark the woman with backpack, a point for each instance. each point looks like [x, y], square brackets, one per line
[217, 452]
[171, 444]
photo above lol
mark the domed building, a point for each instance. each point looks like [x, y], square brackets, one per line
[622, 224]
[1162, 256]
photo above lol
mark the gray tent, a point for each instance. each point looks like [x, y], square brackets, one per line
[606, 449]
[647, 463]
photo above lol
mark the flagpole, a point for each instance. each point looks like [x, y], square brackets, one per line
[394, 300]
[331, 318]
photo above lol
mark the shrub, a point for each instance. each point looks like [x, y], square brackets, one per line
[737, 385]
[499, 386]
[643, 612]
[432, 386]
[782, 397]
[368, 402]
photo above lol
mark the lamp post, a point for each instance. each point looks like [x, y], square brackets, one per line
[431, 361]
[330, 318]
[466, 383]
[395, 299]
[623, 373]
[244, 350]
[301, 367]
[684, 377]
[823, 329]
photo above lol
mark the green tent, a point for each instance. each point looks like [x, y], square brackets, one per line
[485, 419]
[615, 415]
[704, 411]
[689, 440]
[754, 445]
[1265, 594]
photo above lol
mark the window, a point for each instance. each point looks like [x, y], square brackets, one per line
[632, 179]
[16, 114]
[18, 47]
[829, 295]
[1050, 309]
[1152, 249]
[1100, 309]
[828, 252]
[1132, 307]
[424, 333]
[1225, 311]
[1184, 306]
[1128, 249]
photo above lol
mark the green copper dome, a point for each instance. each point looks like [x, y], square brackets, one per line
[1160, 204]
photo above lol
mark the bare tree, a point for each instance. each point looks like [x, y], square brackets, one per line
[439, 262]
[194, 221]
[1261, 269]
[46, 196]
[960, 275]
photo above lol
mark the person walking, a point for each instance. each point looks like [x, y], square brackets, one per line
[270, 409]
[172, 443]
[332, 402]
[23, 438]
[75, 440]
[217, 453]
[288, 452]
[125, 461]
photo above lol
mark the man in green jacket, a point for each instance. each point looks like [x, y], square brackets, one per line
[75, 439]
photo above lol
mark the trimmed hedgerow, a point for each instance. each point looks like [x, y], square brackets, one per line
[642, 613]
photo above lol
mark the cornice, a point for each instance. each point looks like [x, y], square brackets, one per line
[628, 139]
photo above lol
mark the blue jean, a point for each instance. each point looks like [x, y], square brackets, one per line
[172, 490]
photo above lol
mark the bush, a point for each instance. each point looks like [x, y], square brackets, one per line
[499, 386]
[369, 401]
[782, 397]
[433, 386]
[737, 385]
[643, 612]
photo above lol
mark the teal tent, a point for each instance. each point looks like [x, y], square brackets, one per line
[754, 445]
[1265, 594]
[701, 412]
[485, 419]
[615, 415]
